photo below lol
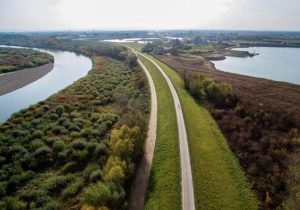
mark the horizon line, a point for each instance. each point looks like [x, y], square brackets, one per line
[140, 29]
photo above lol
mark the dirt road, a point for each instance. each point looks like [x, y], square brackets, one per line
[140, 184]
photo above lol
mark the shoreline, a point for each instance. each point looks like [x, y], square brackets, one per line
[15, 80]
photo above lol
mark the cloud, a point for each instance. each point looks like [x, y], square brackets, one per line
[155, 14]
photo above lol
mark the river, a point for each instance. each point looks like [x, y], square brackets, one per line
[68, 67]
[275, 63]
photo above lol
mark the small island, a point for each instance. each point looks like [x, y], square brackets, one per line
[20, 67]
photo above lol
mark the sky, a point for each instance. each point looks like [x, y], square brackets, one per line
[39, 15]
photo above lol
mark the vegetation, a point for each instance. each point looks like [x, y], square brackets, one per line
[263, 155]
[264, 141]
[17, 59]
[205, 88]
[165, 174]
[214, 167]
[55, 154]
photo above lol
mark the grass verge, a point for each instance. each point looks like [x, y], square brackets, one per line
[164, 187]
[219, 181]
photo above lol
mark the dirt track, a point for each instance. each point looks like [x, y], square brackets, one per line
[18, 79]
[140, 183]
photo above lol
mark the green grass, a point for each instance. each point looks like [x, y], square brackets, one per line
[7, 68]
[164, 189]
[219, 181]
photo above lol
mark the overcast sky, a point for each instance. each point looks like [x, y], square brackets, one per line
[149, 14]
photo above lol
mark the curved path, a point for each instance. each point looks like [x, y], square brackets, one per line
[140, 184]
[187, 189]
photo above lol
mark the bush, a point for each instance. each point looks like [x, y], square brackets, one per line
[70, 167]
[59, 145]
[100, 150]
[57, 182]
[207, 88]
[104, 194]
[37, 143]
[79, 144]
[51, 205]
[73, 189]
[131, 60]
[13, 203]
[38, 134]
[96, 175]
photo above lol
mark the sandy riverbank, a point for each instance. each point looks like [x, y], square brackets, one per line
[18, 79]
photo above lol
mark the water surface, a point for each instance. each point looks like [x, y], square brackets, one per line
[275, 63]
[68, 67]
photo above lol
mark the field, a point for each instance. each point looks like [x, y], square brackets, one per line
[215, 169]
[261, 129]
[17, 59]
[165, 175]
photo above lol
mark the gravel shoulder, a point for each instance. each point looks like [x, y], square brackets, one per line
[140, 184]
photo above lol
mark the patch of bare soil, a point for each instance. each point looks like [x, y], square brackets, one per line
[18, 79]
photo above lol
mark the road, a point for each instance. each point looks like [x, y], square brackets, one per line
[187, 189]
[140, 183]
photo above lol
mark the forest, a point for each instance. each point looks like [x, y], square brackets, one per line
[79, 148]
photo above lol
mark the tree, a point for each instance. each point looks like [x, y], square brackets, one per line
[131, 60]
[114, 170]
[148, 48]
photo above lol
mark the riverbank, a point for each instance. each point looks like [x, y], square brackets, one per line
[18, 79]
[263, 124]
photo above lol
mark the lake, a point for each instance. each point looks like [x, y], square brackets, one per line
[68, 67]
[275, 63]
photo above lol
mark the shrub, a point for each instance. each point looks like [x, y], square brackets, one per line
[58, 145]
[59, 130]
[42, 151]
[37, 143]
[59, 109]
[51, 205]
[73, 189]
[86, 132]
[13, 203]
[131, 60]
[38, 134]
[97, 194]
[80, 155]
[43, 155]
[114, 170]
[3, 188]
[96, 175]
[57, 182]
[70, 167]
[104, 194]
[79, 144]
[100, 150]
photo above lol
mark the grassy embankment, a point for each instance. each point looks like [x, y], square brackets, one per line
[218, 178]
[164, 189]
